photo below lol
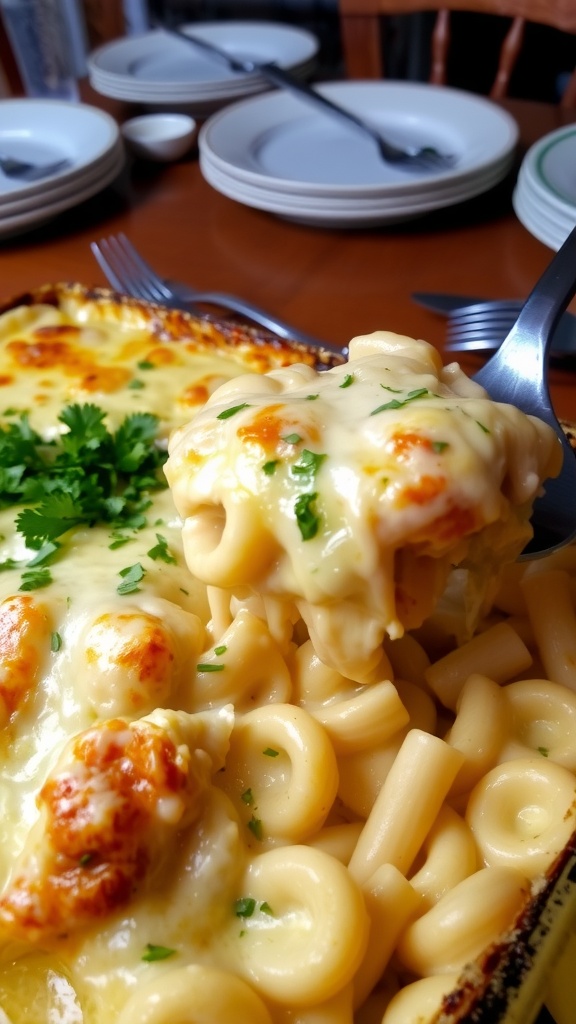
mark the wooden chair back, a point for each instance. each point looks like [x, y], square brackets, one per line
[363, 24]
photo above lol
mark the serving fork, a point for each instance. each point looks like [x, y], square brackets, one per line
[517, 374]
[128, 272]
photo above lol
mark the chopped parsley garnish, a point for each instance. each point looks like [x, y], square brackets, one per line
[55, 642]
[399, 403]
[35, 579]
[160, 551]
[439, 446]
[348, 380]
[221, 649]
[136, 384]
[482, 427]
[85, 859]
[312, 398]
[227, 413]
[119, 541]
[270, 467]
[544, 751]
[306, 517]
[8, 563]
[292, 438]
[255, 826]
[247, 797]
[132, 575]
[154, 953]
[308, 464]
[145, 364]
[86, 475]
[245, 906]
[209, 667]
[270, 752]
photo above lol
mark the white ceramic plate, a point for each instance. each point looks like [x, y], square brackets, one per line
[42, 131]
[555, 165]
[349, 212]
[545, 223]
[535, 222]
[57, 190]
[439, 196]
[156, 60]
[44, 212]
[563, 219]
[550, 165]
[283, 142]
[218, 93]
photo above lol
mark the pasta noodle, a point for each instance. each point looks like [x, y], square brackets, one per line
[497, 652]
[461, 924]
[522, 813]
[407, 804]
[541, 719]
[553, 621]
[479, 730]
[312, 944]
[195, 995]
[370, 716]
[391, 902]
[450, 855]
[283, 758]
[418, 1002]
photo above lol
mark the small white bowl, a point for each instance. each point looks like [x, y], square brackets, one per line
[160, 137]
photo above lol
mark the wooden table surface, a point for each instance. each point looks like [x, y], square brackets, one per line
[332, 283]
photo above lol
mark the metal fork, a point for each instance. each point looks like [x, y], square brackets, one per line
[23, 170]
[517, 374]
[128, 272]
[409, 157]
[482, 326]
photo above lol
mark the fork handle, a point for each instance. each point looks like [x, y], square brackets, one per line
[189, 300]
[277, 76]
[284, 80]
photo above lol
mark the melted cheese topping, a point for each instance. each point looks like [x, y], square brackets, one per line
[98, 789]
[353, 492]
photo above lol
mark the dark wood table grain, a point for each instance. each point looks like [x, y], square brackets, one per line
[334, 283]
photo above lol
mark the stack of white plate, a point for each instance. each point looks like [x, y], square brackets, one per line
[83, 139]
[278, 153]
[160, 71]
[545, 193]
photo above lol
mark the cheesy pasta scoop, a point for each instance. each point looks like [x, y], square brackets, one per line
[352, 493]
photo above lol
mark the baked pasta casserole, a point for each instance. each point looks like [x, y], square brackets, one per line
[288, 734]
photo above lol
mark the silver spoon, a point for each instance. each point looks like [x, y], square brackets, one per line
[518, 374]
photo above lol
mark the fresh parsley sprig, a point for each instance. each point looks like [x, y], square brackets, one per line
[87, 475]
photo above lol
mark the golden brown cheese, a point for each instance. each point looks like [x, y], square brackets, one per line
[113, 804]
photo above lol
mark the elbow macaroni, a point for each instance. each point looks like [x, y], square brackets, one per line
[255, 792]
